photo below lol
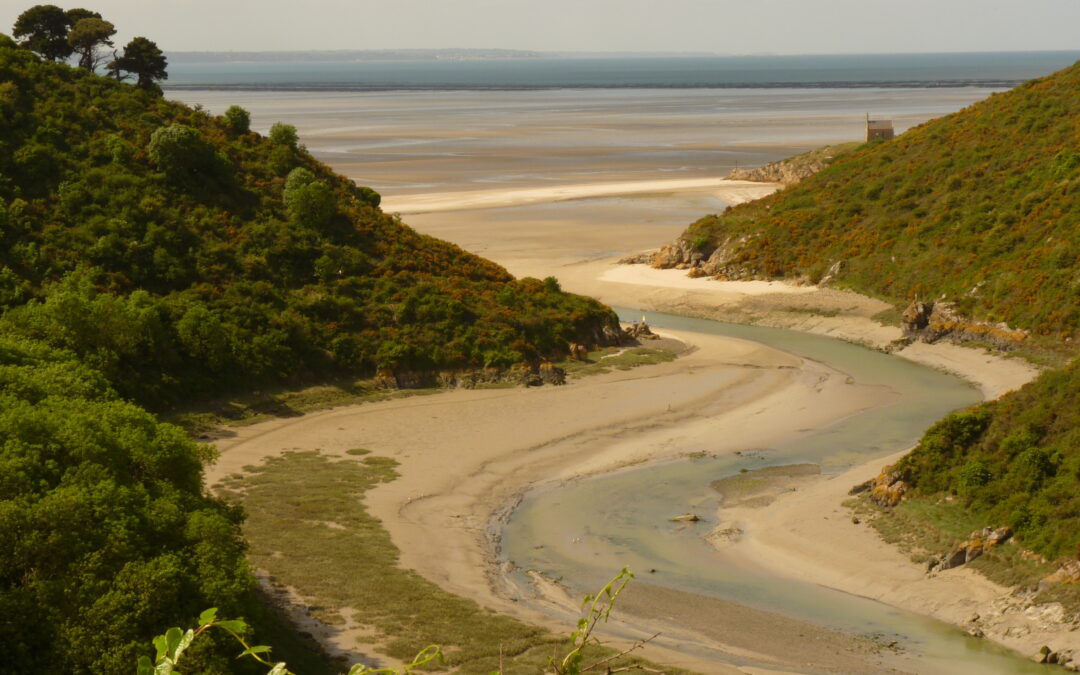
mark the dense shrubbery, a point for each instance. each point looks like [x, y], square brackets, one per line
[1013, 461]
[104, 529]
[183, 254]
[980, 206]
[150, 253]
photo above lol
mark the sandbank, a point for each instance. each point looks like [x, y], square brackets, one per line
[465, 455]
[730, 191]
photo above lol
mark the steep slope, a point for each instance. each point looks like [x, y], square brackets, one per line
[180, 253]
[151, 253]
[979, 207]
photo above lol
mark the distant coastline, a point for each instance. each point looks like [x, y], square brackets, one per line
[515, 70]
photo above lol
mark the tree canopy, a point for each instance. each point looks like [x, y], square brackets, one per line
[86, 38]
[44, 29]
[145, 60]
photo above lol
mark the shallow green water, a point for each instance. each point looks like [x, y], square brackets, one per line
[589, 529]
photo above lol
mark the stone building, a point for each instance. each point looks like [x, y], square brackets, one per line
[878, 129]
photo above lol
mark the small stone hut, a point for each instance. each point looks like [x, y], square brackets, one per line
[878, 129]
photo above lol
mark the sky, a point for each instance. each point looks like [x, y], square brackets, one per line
[714, 26]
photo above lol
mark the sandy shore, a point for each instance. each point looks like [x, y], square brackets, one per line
[806, 533]
[730, 191]
[461, 463]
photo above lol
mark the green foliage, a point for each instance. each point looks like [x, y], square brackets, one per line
[44, 29]
[217, 273]
[238, 119]
[87, 36]
[145, 60]
[180, 152]
[979, 207]
[283, 134]
[105, 532]
[1013, 461]
[171, 645]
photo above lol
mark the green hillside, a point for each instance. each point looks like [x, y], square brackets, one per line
[979, 207]
[152, 254]
[1014, 461]
[181, 254]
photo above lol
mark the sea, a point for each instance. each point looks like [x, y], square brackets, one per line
[359, 71]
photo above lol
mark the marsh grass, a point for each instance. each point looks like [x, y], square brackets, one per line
[609, 358]
[308, 527]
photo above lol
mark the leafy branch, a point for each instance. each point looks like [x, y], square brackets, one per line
[172, 644]
[599, 608]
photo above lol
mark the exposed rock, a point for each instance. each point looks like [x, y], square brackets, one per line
[1068, 572]
[645, 258]
[831, 273]
[788, 171]
[977, 543]
[579, 352]
[641, 331]
[887, 489]
[934, 321]
[673, 255]
[915, 318]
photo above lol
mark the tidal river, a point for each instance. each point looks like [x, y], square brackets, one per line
[582, 532]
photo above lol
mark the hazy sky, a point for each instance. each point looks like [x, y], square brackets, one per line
[721, 26]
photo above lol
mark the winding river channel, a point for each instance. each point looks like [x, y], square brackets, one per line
[582, 531]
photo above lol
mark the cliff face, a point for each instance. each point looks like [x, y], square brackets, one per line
[794, 169]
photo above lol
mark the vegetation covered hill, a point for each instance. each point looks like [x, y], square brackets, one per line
[1014, 461]
[179, 253]
[979, 207]
[151, 253]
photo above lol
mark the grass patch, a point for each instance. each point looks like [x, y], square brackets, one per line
[922, 527]
[889, 316]
[609, 358]
[351, 562]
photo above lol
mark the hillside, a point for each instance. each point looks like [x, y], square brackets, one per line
[181, 254]
[153, 254]
[978, 207]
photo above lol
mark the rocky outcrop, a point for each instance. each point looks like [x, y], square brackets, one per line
[785, 172]
[1068, 572]
[641, 331]
[887, 489]
[977, 543]
[794, 169]
[935, 321]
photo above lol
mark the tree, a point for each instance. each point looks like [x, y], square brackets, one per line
[44, 29]
[143, 58]
[238, 119]
[283, 134]
[86, 36]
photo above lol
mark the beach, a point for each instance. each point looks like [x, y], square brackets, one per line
[572, 211]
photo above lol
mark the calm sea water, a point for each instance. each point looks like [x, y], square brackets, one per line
[997, 70]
